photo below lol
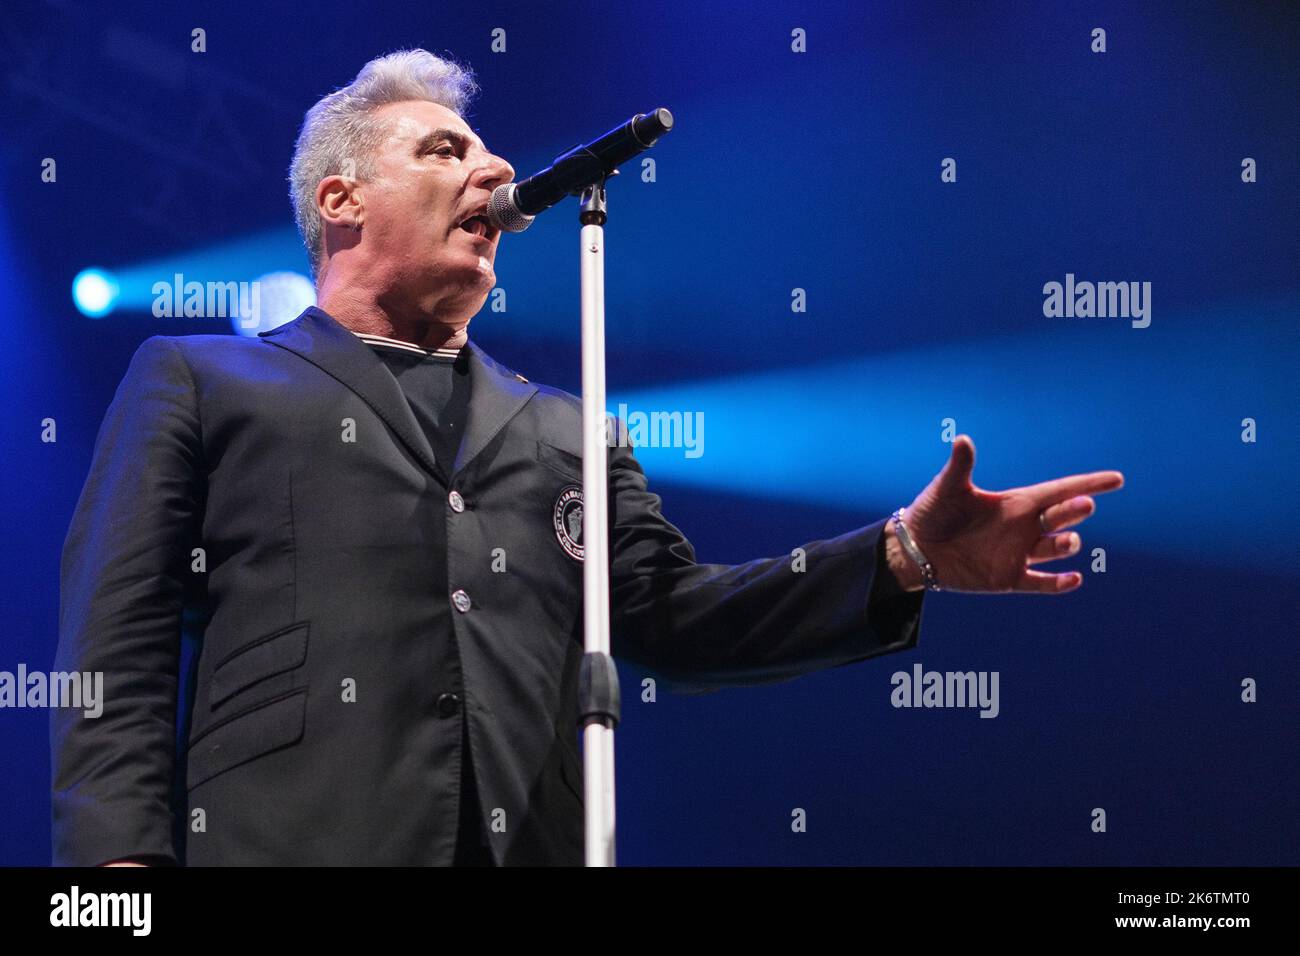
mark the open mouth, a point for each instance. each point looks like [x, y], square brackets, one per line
[477, 226]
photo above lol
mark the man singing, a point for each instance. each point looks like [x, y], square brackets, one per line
[372, 529]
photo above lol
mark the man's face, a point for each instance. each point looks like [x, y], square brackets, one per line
[432, 173]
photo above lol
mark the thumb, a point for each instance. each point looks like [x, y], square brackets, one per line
[957, 472]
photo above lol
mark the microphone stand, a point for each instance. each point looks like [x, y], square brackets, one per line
[599, 700]
[583, 171]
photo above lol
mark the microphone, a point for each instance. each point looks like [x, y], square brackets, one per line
[513, 206]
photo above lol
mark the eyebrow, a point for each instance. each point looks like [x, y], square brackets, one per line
[461, 141]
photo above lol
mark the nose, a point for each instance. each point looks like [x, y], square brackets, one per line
[493, 172]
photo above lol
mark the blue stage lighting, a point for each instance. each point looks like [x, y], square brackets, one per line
[278, 297]
[94, 292]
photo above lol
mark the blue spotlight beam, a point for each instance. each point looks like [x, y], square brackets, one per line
[1165, 405]
[242, 260]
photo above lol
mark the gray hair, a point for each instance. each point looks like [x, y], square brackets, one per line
[339, 130]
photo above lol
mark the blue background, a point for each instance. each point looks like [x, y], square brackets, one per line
[818, 171]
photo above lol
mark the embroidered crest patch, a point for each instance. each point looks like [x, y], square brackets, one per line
[568, 520]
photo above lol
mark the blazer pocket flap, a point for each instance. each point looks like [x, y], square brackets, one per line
[250, 734]
[564, 460]
[273, 654]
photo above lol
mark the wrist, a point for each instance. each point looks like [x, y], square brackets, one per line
[906, 573]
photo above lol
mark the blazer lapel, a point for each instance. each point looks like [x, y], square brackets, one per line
[317, 337]
[495, 396]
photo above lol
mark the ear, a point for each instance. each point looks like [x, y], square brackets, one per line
[339, 201]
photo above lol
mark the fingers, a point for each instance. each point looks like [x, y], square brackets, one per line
[1036, 582]
[1093, 483]
[1054, 547]
[1066, 514]
[961, 462]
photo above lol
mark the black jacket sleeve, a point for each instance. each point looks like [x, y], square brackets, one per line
[705, 626]
[123, 573]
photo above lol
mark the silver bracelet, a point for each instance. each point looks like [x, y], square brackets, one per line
[905, 539]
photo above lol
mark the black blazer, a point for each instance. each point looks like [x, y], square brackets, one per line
[351, 611]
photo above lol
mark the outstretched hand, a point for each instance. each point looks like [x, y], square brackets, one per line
[985, 541]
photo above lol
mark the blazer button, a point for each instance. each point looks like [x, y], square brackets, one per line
[456, 501]
[461, 600]
[448, 704]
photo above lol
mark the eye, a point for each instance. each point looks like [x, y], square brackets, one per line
[449, 151]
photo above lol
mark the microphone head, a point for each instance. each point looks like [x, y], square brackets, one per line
[503, 212]
[648, 127]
